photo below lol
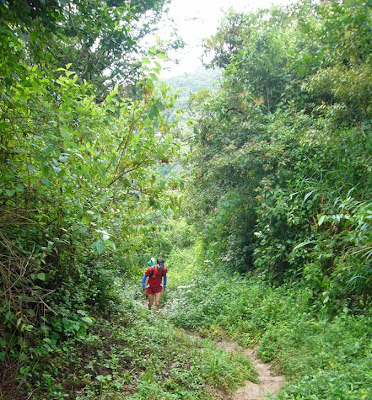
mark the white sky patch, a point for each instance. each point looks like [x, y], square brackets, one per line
[198, 19]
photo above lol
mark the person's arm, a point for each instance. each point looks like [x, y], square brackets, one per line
[144, 281]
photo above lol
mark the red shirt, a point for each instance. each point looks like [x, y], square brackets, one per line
[155, 279]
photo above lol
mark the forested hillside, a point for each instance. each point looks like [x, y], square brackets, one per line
[265, 223]
[189, 83]
[84, 129]
[283, 149]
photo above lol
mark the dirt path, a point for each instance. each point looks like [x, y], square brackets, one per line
[269, 383]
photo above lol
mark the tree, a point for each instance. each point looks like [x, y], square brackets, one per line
[101, 39]
[281, 151]
[78, 175]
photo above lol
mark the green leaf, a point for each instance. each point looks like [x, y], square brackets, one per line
[150, 83]
[103, 378]
[111, 244]
[46, 182]
[10, 193]
[48, 149]
[98, 246]
[326, 297]
[303, 244]
[64, 133]
[162, 56]
[56, 169]
[40, 276]
[307, 196]
[64, 158]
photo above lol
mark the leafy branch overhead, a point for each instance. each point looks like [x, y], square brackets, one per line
[101, 39]
[261, 202]
[80, 167]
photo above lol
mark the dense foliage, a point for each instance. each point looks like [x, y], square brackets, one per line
[283, 149]
[103, 40]
[79, 175]
[322, 357]
[278, 187]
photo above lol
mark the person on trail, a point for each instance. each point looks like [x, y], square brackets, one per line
[155, 289]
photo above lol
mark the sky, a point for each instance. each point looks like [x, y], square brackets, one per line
[198, 19]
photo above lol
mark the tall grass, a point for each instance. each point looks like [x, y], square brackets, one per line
[323, 357]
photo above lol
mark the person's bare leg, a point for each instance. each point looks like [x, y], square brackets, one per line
[151, 300]
[157, 300]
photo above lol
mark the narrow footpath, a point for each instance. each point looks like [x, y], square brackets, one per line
[268, 382]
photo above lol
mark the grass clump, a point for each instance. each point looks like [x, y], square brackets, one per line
[323, 356]
[135, 354]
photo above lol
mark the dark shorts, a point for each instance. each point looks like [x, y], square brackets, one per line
[154, 289]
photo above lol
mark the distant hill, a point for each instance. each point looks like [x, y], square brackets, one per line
[193, 81]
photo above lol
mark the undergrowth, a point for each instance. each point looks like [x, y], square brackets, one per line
[323, 357]
[136, 354]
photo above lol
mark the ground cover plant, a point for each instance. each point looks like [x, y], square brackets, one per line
[136, 354]
[322, 356]
[260, 203]
[76, 150]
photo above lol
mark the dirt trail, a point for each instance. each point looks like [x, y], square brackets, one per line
[269, 383]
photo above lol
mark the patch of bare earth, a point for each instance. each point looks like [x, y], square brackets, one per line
[268, 382]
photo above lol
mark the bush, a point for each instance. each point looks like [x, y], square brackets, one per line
[323, 356]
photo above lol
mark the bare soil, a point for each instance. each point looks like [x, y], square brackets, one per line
[268, 382]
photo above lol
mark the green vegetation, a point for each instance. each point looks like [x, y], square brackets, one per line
[191, 82]
[282, 193]
[282, 154]
[134, 354]
[79, 178]
[266, 222]
[323, 357]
